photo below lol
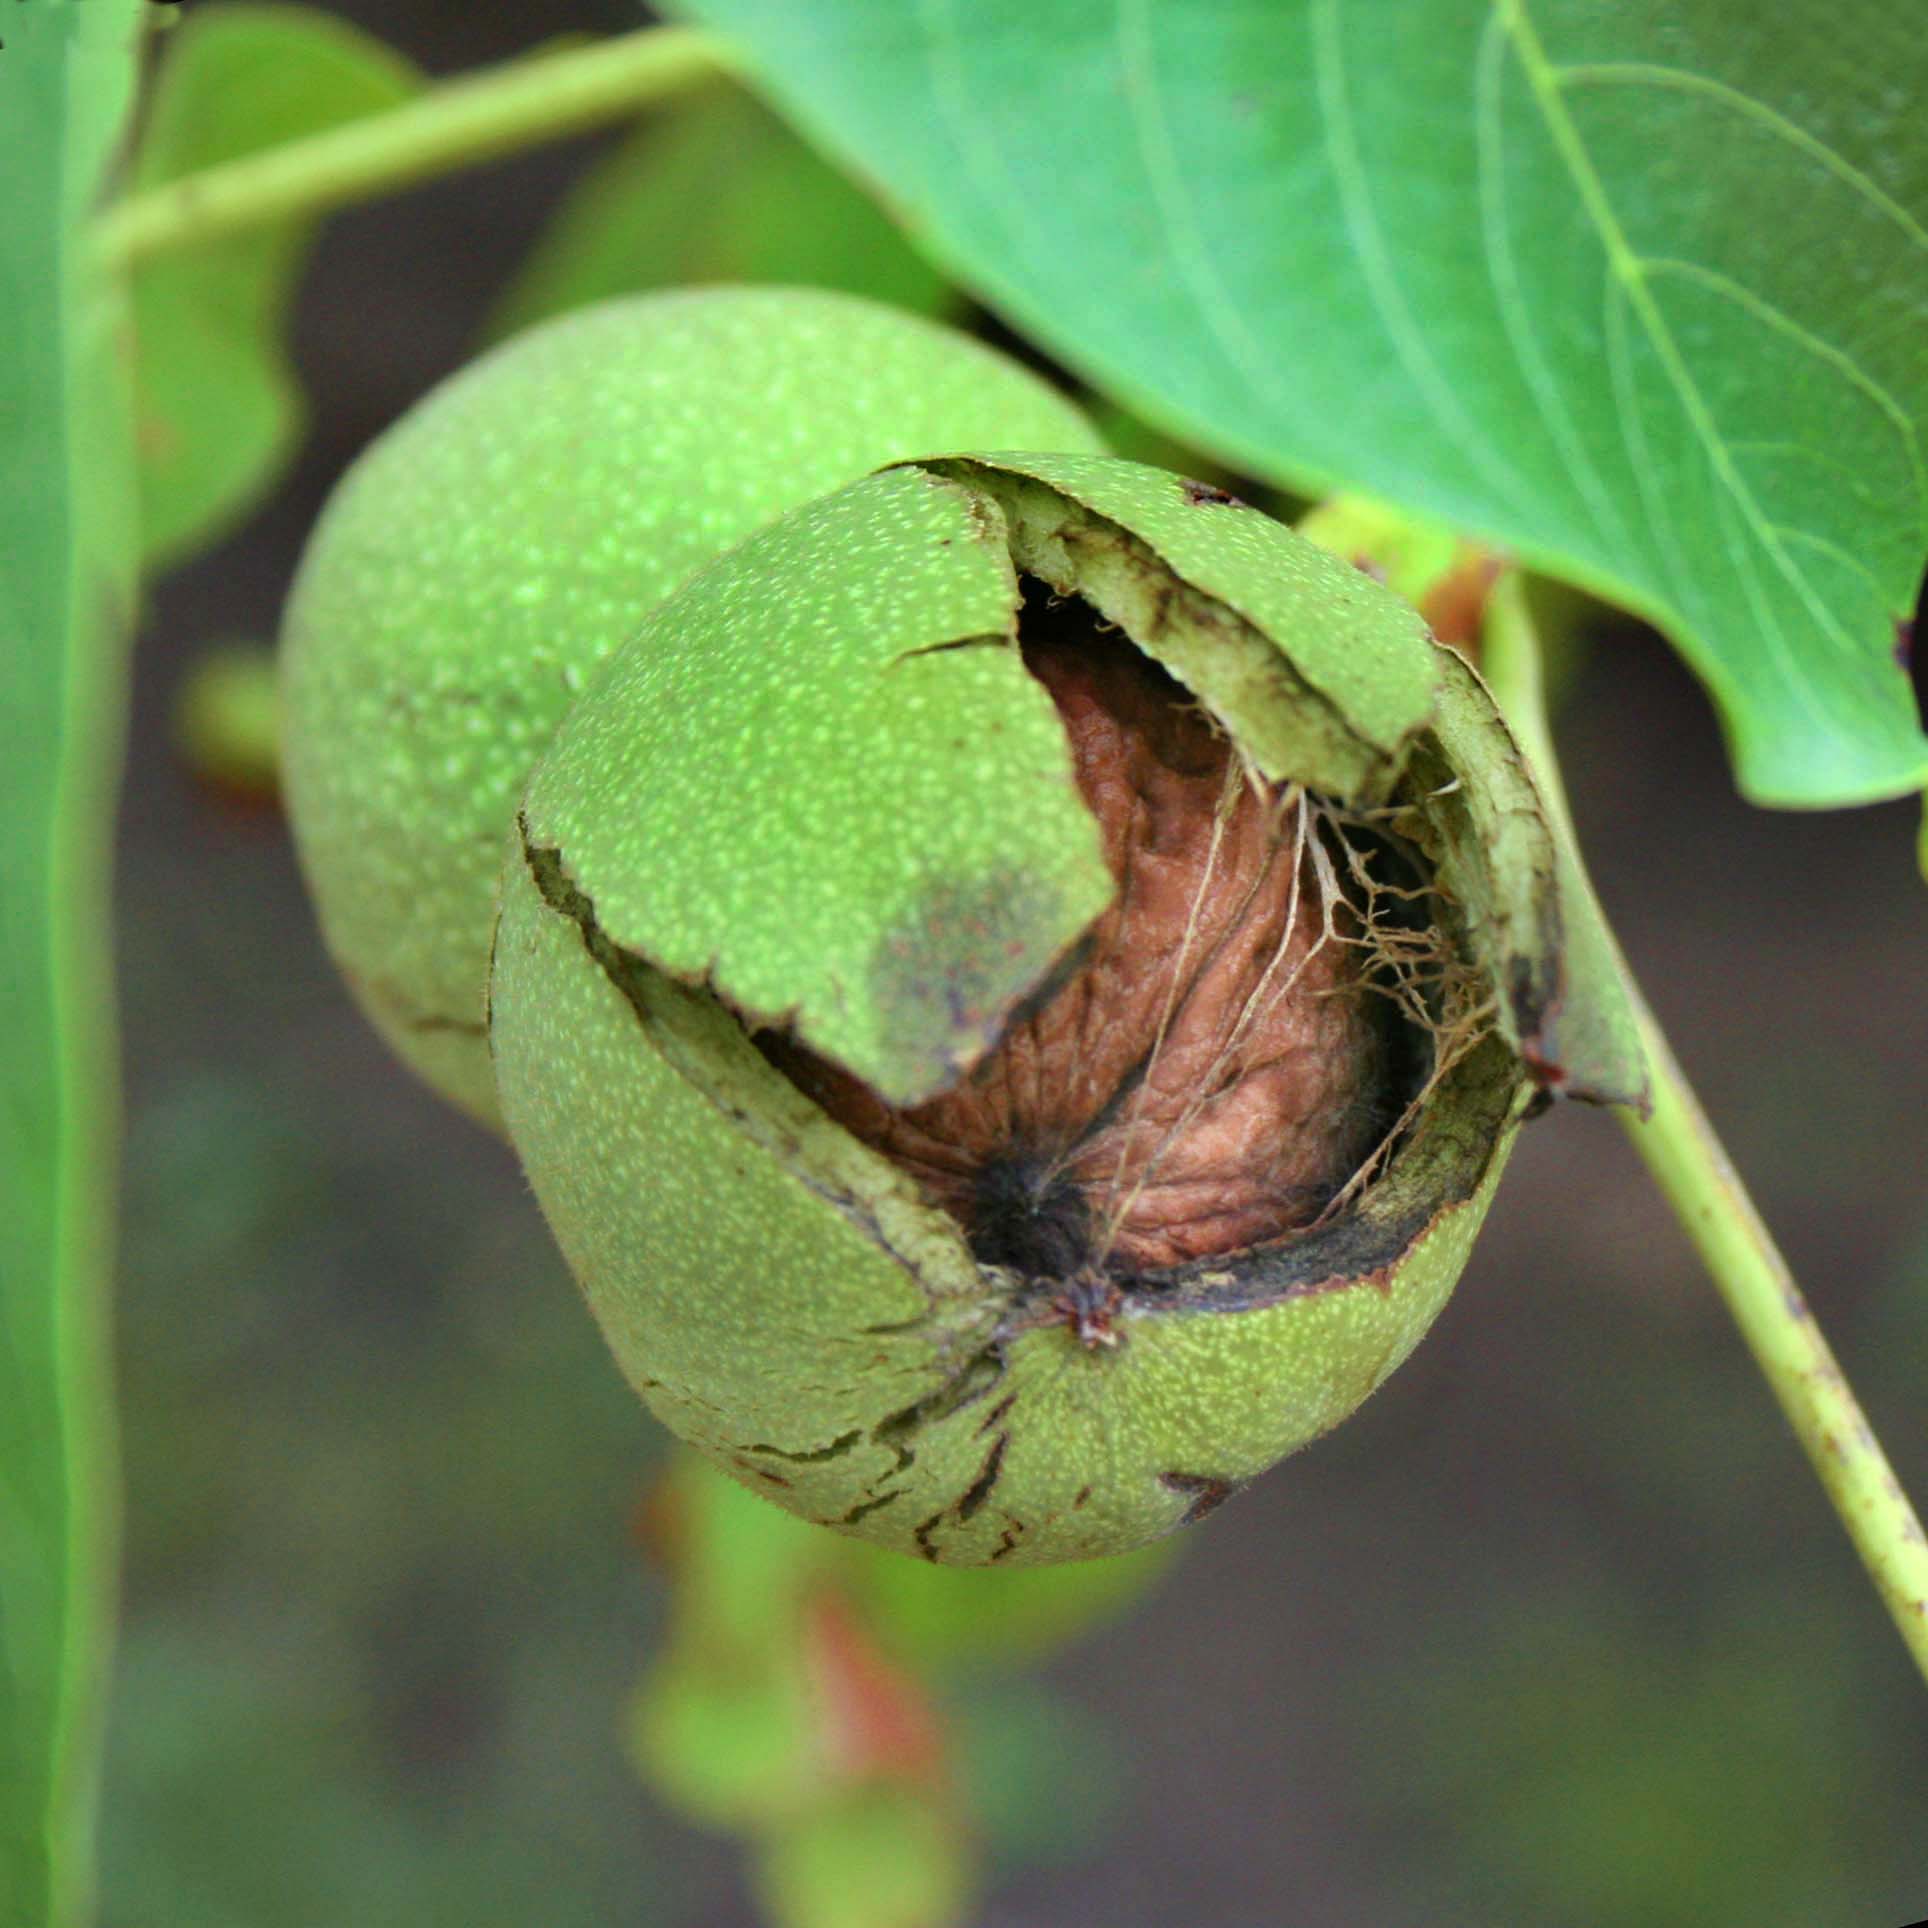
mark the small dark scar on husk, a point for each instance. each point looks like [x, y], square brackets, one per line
[979, 1490]
[815, 1456]
[767, 1474]
[969, 1504]
[462, 1027]
[1206, 495]
[996, 1415]
[864, 1508]
[1205, 1492]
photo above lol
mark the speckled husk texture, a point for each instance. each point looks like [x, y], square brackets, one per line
[512, 529]
[820, 792]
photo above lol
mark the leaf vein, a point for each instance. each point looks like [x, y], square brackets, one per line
[1844, 364]
[1629, 271]
[950, 90]
[1510, 298]
[1375, 262]
[1151, 128]
[1633, 437]
[1825, 546]
[1682, 80]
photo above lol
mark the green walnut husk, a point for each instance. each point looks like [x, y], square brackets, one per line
[513, 528]
[812, 851]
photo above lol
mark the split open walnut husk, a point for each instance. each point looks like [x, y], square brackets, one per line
[1014, 991]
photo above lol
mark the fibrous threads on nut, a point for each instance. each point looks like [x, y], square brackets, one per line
[1214, 1067]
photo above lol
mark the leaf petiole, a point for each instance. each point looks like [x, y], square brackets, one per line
[1696, 1177]
[458, 124]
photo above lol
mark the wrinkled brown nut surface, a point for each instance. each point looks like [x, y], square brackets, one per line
[1211, 1071]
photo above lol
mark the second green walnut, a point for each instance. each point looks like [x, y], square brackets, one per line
[513, 528]
[1014, 990]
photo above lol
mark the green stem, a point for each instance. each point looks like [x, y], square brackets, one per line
[455, 125]
[1697, 1179]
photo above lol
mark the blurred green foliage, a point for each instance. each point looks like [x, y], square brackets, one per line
[67, 78]
[219, 410]
[799, 1698]
[227, 720]
[1651, 1826]
[1599, 1745]
[717, 188]
[377, 1564]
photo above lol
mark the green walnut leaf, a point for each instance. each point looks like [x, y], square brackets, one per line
[220, 410]
[66, 77]
[717, 188]
[1640, 292]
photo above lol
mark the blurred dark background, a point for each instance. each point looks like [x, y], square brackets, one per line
[1558, 1631]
